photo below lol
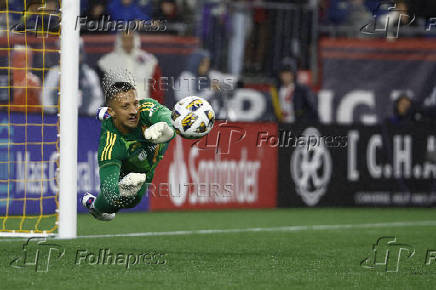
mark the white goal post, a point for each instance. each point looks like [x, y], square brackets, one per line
[69, 91]
[22, 205]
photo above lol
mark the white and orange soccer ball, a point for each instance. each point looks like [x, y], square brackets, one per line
[193, 117]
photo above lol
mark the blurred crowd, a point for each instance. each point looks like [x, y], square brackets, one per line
[292, 101]
[31, 89]
[352, 15]
[248, 37]
[356, 12]
[242, 39]
[175, 13]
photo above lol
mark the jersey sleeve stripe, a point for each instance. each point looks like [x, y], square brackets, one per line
[146, 109]
[110, 142]
[147, 104]
[112, 146]
[106, 146]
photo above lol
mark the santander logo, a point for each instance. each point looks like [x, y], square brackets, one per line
[212, 180]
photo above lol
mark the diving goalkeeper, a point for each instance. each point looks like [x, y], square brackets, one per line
[132, 142]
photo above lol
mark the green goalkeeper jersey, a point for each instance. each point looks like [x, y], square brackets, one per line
[119, 155]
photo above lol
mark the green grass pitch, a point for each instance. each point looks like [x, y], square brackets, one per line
[306, 257]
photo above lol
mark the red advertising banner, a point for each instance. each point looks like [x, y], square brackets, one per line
[225, 169]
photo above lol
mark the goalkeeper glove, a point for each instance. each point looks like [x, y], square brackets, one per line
[159, 132]
[131, 184]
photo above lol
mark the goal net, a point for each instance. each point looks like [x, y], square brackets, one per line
[30, 130]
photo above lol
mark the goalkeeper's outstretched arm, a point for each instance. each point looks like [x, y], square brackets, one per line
[151, 112]
[107, 200]
[158, 120]
[115, 195]
[156, 117]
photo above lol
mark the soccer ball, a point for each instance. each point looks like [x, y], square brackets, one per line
[193, 117]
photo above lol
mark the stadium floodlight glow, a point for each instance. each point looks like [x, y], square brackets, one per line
[69, 91]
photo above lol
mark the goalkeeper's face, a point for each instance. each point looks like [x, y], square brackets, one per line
[124, 111]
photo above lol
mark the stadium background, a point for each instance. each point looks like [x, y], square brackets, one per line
[356, 77]
[283, 216]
